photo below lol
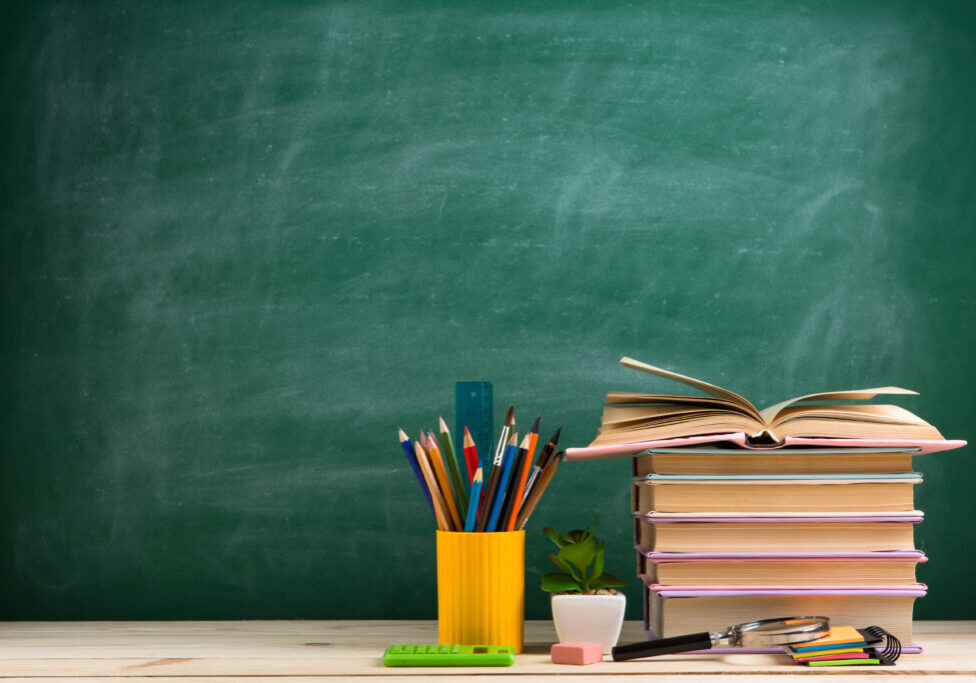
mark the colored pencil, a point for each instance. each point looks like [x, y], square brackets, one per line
[513, 497]
[461, 483]
[524, 465]
[495, 472]
[496, 505]
[539, 489]
[470, 454]
[471, 518]
[437, 464]
[415, 466]
[541, 463]
[439, 510]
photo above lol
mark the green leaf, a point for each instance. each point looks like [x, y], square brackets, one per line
[606, 580]
[556, 582]
[564, 565]
[598, 561]
[579, 554]
[553, 536]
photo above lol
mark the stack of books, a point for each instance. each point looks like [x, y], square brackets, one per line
[805, 508]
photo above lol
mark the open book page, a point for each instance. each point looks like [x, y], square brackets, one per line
[614, 415]
[619, 398]
[880, 413]
[710, 389]
[769, 414]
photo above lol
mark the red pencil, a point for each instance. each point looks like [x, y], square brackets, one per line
[470, 454]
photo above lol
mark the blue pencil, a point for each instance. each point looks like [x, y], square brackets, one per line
[496, 507]
[472, 515]
[415, 466]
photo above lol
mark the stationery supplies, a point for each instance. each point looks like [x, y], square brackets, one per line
[538, 489]
[448, 655]
[513, 497]
[762, 633]
[849, 646]
[491, 488]
[444, 485]
[473, 409]
[576, 653]
[472, 514]
[523, 465]
[415, 466]
[481, 588]
[461, 482]
[506, 473]
[500, 502]
[440, 507]
[540, 464]
[470, 453]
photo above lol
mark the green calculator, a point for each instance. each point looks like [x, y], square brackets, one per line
[449, 655]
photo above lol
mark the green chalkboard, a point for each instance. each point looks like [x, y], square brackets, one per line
[243, 242]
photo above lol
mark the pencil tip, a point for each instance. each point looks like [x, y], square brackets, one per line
[535, 425]
[555, 437]
[443, 425]
[402, 434]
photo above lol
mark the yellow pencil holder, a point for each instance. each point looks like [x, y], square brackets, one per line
[481, 588]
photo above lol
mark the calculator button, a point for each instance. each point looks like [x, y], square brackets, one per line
[455, 649]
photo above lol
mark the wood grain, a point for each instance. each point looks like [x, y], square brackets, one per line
[321, 650]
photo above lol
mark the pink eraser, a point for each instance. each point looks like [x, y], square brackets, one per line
[576, 653]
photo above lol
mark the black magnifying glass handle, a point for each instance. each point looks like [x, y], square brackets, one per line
[662, 646]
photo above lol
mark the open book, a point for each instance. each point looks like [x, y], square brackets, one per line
[634, 418]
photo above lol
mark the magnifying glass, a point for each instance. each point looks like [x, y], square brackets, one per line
[763, 633]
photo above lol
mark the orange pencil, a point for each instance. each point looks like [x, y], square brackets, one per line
[435, 492]
[437, 464]
[523, 475]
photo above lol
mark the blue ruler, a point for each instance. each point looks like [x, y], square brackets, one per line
[473, 409]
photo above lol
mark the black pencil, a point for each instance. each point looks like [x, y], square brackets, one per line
[513, 497]
[538, 490]
[540, 464]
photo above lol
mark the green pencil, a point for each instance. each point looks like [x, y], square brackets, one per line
[461, 483]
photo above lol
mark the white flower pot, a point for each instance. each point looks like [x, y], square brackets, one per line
[589, 618]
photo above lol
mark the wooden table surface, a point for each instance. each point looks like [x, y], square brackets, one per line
[305, 651]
